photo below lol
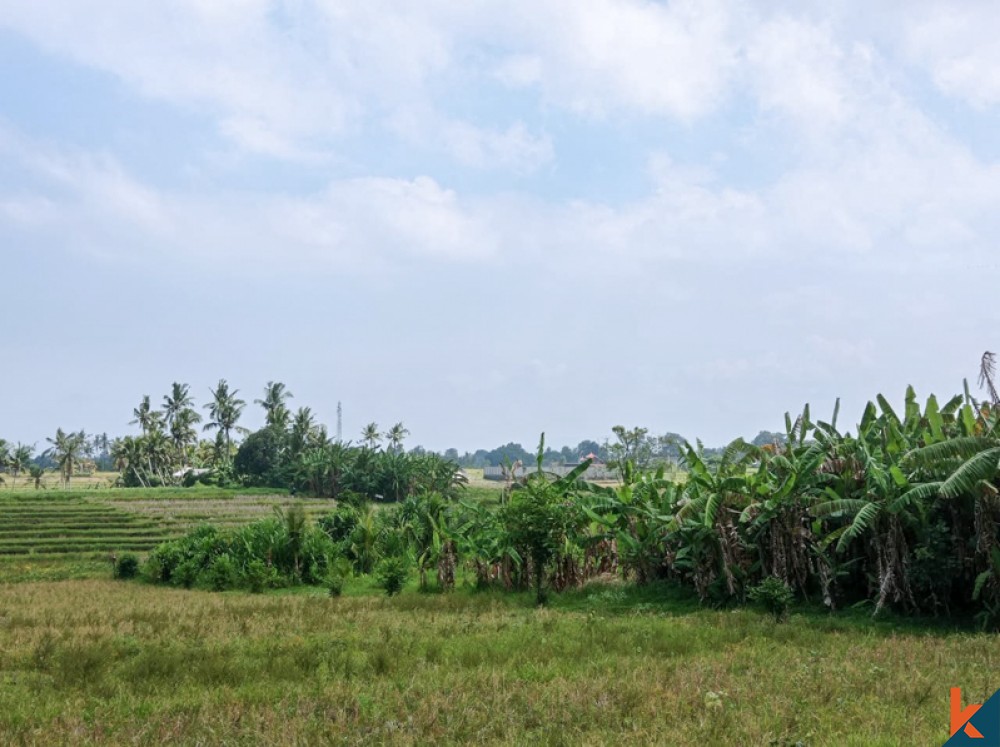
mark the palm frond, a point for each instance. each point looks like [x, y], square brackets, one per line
[914, 495]
[841, 505]
[963, 447]
[863, 520]
[983, 466]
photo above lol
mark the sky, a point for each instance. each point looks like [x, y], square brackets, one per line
[492, 219]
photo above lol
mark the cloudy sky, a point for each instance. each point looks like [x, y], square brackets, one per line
[488, 219]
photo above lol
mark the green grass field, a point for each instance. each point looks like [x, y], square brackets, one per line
[88, 660]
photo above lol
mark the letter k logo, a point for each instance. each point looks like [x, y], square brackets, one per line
[960, 718]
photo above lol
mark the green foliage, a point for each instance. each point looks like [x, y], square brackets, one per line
[339, 523]
[903, 514]
[391, 574]
[127, 566]
[337, 575]
[221, 573]
[259, 576]
[259, 460]
[774, 596]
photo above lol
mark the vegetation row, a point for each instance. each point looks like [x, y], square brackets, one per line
[903, 513]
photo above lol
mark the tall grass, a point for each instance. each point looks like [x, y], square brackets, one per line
[110, 662]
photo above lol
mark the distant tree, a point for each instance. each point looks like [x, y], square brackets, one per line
[767, 438]
[177, 401]
[396, 435]
[128, 457]
[224, 410]
[67, 450]
[275, 405]
[183, 432]
[145, 416]
[259, 457]
[303, 431]
[19, 460]
[370, 436]
[37, 472]
[633, 446]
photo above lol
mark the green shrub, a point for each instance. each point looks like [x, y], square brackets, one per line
[127, 566]
[391, 574]
[335, 585]
[222, 573]
[774, 596]
[337, 575]
[259, 576]
[186, 573]
[339, 523]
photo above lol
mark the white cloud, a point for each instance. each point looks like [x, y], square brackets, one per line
[514, 149]
[671, 59]
[90, 204]
[871, 177]
[959, 44]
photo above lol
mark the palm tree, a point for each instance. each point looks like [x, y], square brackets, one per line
[37, 472]
[274, 404]
[19, 460]
[370, 435]
[182, 431]
[128, 455]
[303, 429]
[143, 415]
[178, 400]
[225, 410]
[396, 435]
[66, 449]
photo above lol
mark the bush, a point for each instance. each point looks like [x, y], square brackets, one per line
[339, 523]
[774, 596]
[259, 576]
[127, 566]
[222, 573]
[337, 575]
[335, 584]
[391, 574]
[186, 573]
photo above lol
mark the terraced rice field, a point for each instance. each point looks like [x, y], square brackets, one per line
[176, 516]
[50, 525]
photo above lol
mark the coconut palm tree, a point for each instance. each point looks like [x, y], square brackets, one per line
[274, 403]
[144, 415]
[37, 472]
[225, 410]
[183, 433]
[66, 450]
[19, 460]
[303, 431]
[178, 400]
[396, 435]
[370, 436]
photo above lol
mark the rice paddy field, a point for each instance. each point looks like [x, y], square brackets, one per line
[85, 659]
[67, 534]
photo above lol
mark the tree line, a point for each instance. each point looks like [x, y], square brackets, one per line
[903, 513]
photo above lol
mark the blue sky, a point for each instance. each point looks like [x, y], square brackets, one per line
[491, 219]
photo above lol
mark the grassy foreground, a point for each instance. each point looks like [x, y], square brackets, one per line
[95, 661]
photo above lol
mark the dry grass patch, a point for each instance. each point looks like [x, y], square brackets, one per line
[112, 662]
